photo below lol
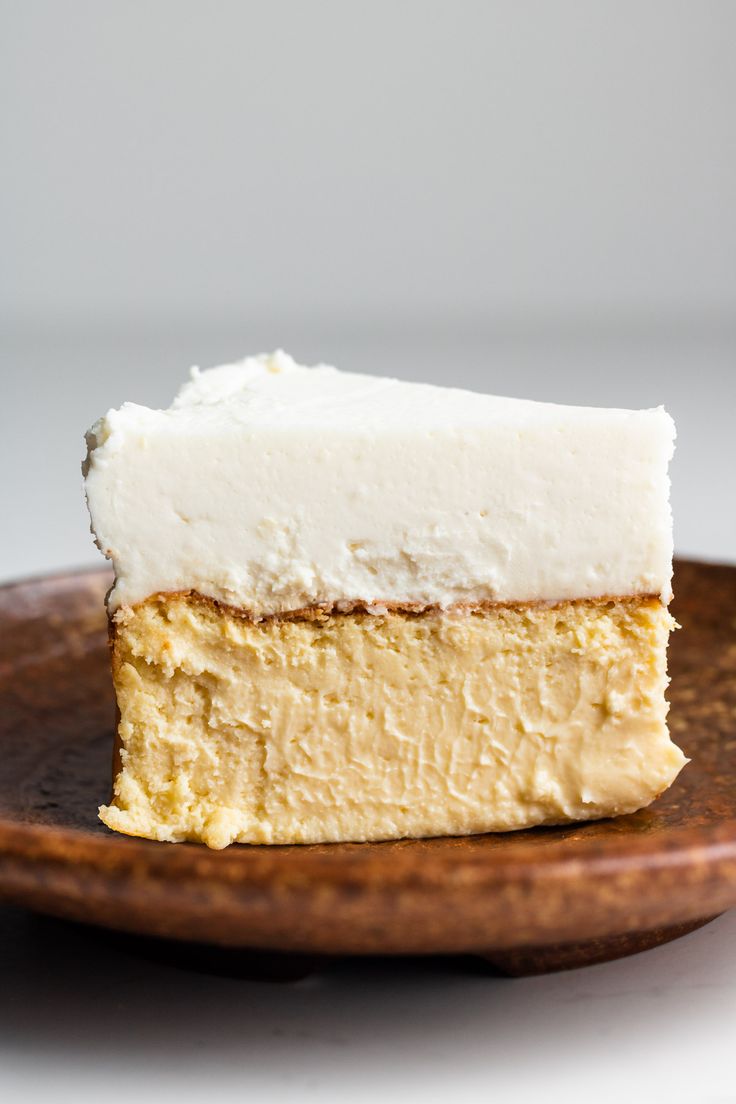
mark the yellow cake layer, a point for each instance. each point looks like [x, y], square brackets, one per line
[365, 726]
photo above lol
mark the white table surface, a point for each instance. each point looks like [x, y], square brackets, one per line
[82, 1018]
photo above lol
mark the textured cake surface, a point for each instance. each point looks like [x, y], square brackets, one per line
[367, 726]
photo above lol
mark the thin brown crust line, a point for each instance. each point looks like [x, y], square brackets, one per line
[324, 610]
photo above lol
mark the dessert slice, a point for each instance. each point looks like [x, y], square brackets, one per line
[349, 608]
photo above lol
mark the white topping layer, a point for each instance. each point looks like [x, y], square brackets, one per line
[273, 487]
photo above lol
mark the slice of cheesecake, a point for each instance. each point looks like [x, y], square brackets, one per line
[349, 608]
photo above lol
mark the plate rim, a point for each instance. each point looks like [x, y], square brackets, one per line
[706, 852]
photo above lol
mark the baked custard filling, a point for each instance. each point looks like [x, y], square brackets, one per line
[381, 723]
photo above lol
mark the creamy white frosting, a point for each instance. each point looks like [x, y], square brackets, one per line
[272, 487]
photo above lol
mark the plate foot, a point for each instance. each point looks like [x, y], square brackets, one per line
[528, 961]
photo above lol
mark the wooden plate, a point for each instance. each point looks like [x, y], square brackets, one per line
[528, 901]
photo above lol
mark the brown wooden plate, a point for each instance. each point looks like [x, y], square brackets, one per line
[527, 901]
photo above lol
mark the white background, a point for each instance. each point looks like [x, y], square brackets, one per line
[529, 198]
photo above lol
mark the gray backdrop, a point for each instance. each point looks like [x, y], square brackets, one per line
[526, 197]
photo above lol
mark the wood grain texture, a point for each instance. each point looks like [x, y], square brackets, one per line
[525, 900]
